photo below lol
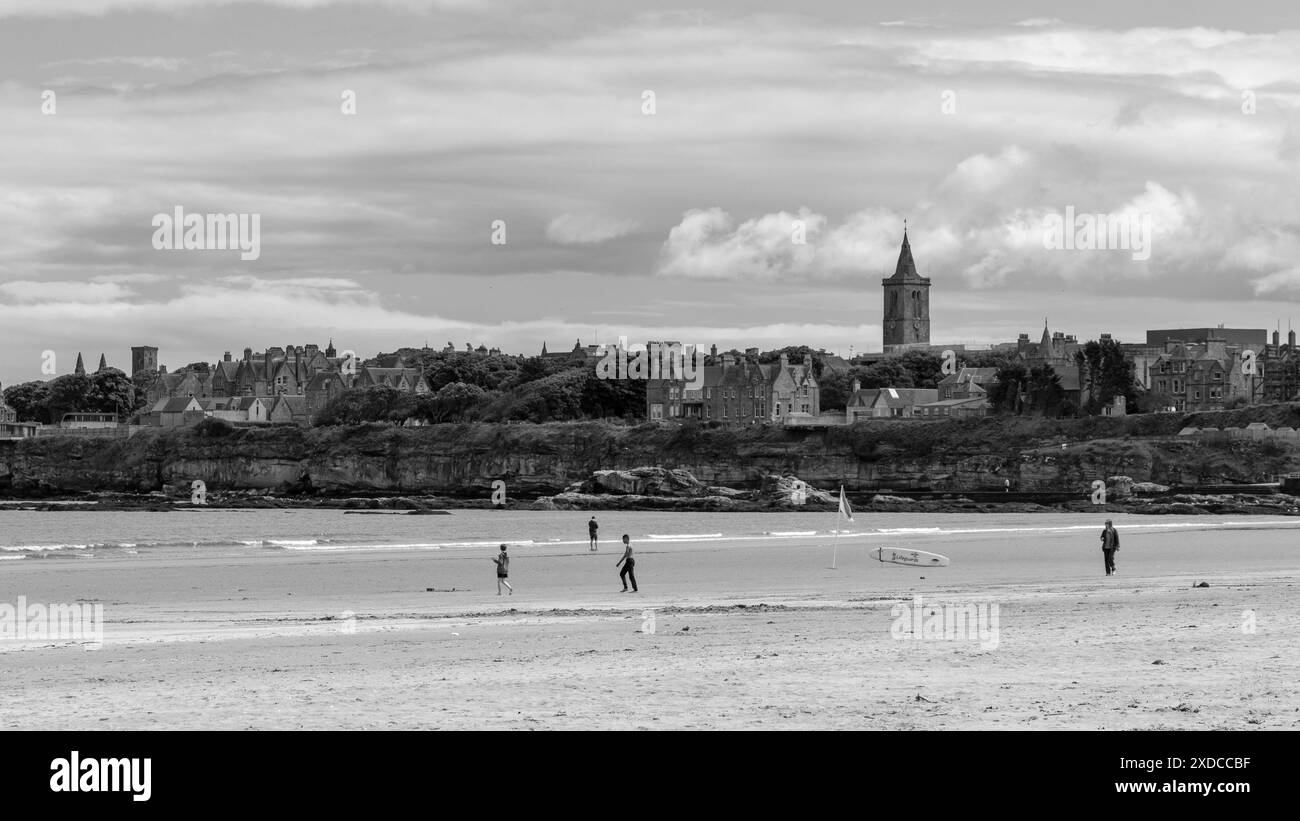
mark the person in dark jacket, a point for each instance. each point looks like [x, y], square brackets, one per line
[592, 527]
[1109, 546]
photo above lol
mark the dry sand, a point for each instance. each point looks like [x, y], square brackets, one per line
[747, 635]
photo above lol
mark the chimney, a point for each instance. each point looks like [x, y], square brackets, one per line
[1290, 338]
[1276, 339]
[162, 370]
[713, 350]
[785, 360]
[225, 357]
[248, 354]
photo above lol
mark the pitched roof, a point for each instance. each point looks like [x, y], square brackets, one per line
[297, 405]
[906, 397]
[175, 404]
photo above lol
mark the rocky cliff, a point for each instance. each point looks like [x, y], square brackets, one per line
[545, 459]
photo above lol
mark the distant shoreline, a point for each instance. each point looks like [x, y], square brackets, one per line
[1173, 504]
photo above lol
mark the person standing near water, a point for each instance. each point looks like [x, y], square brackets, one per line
[628, 564]
[592, 527]
[503, 571]
[1109, 545]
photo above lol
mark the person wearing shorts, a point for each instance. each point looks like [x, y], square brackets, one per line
[503, 571]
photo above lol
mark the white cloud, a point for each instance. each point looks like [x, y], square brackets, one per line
[587, 229]
[28, 292]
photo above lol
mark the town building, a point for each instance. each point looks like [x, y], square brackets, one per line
[906, 304]
[886, 403]
[1277, 377]
[1201, 376]
[1057, 350]
[307, 376]
[738, 391]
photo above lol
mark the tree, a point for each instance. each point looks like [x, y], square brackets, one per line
[111, 391]
[197, 367]
[454, 402]
[988, 359]
[1044, 390]
[836, 389]
[357, 405]
[888, 373]
[1105, 373]
[794, 354]
[68, 394]
[1004, 393]
[926, 369]
[30, 401]
[602, 398]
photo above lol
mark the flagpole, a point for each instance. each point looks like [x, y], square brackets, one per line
[836, 554]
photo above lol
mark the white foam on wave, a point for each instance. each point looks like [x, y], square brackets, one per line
[682, 536]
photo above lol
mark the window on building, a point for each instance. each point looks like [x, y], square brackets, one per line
[1196, 395]
[656, 411]
[708, 393]
[1218, 376]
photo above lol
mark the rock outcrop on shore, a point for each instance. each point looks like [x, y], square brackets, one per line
[655, 465]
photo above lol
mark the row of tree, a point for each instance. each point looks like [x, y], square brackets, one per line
[106, 391]
[531, 390]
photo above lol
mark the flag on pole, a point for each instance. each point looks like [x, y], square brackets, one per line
[844, 505]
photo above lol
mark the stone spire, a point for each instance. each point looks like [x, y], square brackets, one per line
[81, 366]
[103, 363]
[905, 270]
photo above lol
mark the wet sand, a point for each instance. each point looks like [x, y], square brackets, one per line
[746, 635]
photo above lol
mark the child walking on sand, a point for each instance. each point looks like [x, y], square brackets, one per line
[503, 571]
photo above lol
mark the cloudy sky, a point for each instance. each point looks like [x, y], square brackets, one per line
[667, 214]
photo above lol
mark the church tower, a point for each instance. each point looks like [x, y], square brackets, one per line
[907, 303]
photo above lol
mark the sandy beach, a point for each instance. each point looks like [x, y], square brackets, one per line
[739, 634]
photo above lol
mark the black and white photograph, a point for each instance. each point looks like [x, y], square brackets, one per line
[594, 365]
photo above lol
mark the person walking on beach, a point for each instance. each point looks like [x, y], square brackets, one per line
[628, 564]
[592, 527]
[503, 571]
[1109, 544]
